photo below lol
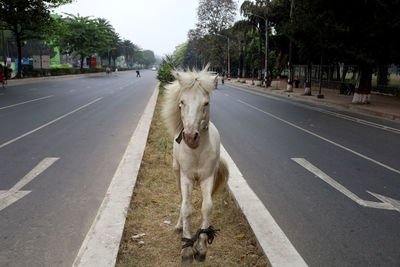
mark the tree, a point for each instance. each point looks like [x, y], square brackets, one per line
[148, 58]
[241, 28]
[27, 19]
[361, 33]
[215, 15]
[129, 49]
[86, 36]
[179, 54]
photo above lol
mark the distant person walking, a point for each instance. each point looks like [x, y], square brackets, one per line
[138, 73]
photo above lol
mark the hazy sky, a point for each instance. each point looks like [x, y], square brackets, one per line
[158, 25]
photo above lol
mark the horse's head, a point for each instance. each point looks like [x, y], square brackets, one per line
[194, 104]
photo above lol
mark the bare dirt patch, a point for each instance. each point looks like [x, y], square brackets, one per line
[156, 202]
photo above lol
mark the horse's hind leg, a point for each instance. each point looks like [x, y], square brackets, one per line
[187, 253]
[177, 172]
[206, 208]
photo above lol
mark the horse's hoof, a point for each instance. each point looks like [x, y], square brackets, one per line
[201, 248]
[187, 256]
[199, 257]
[200, 252]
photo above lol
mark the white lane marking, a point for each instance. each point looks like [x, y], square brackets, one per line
[323, 138]
[47, 124]
[274, 242]
[101, 244]
[25, 102]
[338, 115]
[9, 197]
[386, 204]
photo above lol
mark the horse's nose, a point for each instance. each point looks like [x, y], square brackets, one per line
[191, 138]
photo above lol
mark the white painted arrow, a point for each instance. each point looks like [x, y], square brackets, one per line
[9, 197]
[386, 204]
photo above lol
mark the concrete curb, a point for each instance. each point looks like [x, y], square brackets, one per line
[349, 106]
[352, 107]
[101, 244]
[276, 246]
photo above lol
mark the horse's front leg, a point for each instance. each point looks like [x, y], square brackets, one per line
[177, 172]
[186, 212]
[206, 208]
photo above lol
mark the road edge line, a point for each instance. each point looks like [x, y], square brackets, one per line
[101, 244]
[275, 244]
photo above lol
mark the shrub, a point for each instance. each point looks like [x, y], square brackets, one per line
[164, 72]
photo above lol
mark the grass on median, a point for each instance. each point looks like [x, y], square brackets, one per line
[156, 201]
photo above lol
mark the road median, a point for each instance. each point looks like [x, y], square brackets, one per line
[148, 238]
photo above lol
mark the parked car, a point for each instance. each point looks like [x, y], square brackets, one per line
[153, 68]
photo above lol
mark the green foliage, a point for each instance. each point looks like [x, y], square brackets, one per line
[29, 19]
[164, 72]
[148, 58]
[64, 66]
[215, 15]
[179, 54]
[85, 36]
[64, 71]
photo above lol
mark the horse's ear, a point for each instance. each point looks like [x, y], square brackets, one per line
[176, 75]
[216, 78]
[206, 67]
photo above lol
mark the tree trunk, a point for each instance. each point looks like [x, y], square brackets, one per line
[239, 74]
[382, 79]
[244, 59]
[261, 57]
[19, 54]
[337, 72]
[362, 93]
[82, 58]
[345, 69]
[307, 89]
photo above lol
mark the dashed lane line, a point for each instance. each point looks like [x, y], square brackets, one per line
[25, 102]
[49, 123]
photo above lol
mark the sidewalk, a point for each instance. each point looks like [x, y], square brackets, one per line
[14, 82]
[381, 105]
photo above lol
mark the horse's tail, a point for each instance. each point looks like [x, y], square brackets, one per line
[221, 176]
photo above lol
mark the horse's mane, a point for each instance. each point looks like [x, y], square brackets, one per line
[190, 80]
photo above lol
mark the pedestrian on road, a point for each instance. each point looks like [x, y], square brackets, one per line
[138, 73]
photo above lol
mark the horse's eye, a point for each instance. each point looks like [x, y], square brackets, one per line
[181, 104]
[206, 104]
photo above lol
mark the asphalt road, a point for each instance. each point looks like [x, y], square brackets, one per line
[78, 130]
[265, 134]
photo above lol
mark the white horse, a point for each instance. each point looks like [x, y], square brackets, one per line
[186, 112]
